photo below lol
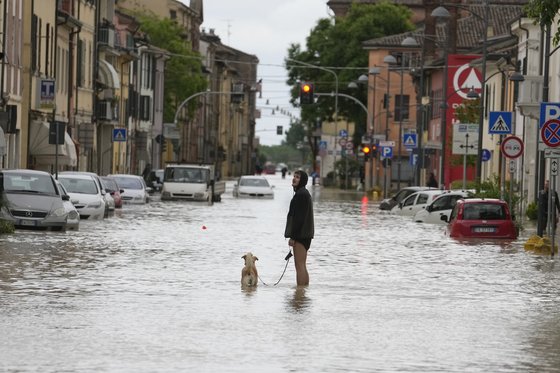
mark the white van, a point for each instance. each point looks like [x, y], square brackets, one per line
[191, 182]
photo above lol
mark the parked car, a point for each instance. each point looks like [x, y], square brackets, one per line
[111, 187]
[134, 188]
[86, 190]
[389, 203]
[155, 180]
[73, 219]
[416, 202]
[107, 198]
[248, 186]
[32, 200]
[481, 218]
[441, 206]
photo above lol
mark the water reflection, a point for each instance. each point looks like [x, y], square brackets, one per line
[299, 302]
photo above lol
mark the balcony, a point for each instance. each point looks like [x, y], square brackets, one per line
[106, 111]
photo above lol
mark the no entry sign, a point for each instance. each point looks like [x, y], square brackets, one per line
[512, 147]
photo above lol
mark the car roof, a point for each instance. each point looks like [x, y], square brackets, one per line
[482, 200]
[125, 175]
[75, 175]
[24, 171]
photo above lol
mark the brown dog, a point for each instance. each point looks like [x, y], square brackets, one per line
[249, 274]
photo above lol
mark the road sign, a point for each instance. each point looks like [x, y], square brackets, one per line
[386, 143]
[499, 122]
[512, 167]
[465, 138]
[551, 153]
[550, 133]
[549, 110]
[322, 145]
[554, 166]
[387, 152]
[512, 147]
[343, 133]
[409, 140]
[342, 142]
[486, 155]
[349, 145]
[119, 134]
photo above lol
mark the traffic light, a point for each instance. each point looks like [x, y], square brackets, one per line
[373, 150]
[279, 130]
[366, 149]
[306, 94]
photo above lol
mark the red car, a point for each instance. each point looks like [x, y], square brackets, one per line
[113, 189]
[481, 218]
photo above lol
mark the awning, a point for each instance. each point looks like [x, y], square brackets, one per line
[2, 142]
[108, 75]
[44, 152]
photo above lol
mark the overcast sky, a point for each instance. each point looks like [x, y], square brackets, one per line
[266, 28]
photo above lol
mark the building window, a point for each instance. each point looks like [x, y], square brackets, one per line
[173, 14]
[145, 104]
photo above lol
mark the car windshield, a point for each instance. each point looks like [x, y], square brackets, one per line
[82, 186]
[484, 211]
[29, 183]
[109, 184]
[129, 182]
[185, 175]
[254, 182]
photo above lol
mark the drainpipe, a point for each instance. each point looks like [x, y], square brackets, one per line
[2, 99]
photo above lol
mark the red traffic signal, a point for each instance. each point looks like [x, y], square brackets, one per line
[306, 94]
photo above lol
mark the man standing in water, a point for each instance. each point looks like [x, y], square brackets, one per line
[300, 226]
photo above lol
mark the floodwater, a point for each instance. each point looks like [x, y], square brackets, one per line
[157, 289]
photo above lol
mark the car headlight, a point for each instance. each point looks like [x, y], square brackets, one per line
[73, 215]
[58, 212]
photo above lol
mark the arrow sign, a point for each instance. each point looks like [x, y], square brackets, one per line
[554, 166]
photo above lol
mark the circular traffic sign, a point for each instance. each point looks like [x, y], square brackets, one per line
[349, 145]
[550, 133]
[342, 141]
[512, 147]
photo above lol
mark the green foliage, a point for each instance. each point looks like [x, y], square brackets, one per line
[283, 153]
[183, 71]
[353, 170]
[491, 189]
[532, 210]
[295, 134]
[543, 12]
[338, 48]
[6, 227]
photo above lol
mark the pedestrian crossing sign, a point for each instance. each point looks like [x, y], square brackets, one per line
[119, 134]
[499, 122]
[409, 140]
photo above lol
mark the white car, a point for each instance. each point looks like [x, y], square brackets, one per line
[86, 192]
[441, 206]
[253, 187]
[416, 202]
[134, 189]
[73, 219]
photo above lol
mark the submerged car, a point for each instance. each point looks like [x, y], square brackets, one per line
[73, 220]
[249, 186]
[416, 202]
[134, 189]
[86, 190]
[32, 200]
[481, 218]
[441, 206]
[389, 203]
[113, 189]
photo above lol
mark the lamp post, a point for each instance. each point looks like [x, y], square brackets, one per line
[389, 60]
[443, 14]
[335, 105]
[371, 130]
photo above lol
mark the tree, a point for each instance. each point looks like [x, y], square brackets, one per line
[183, 71]
[338, 47]
[544, 13]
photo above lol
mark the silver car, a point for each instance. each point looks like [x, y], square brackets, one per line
[32, 200]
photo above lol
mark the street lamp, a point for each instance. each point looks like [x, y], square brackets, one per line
[371, 130]
[389, 60]
[443, 14]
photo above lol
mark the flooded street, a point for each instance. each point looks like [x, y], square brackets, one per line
[156, 288]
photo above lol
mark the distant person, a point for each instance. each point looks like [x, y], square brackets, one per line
[432, 182]
[146, 172]
[258, 169]
[300, 227]
[284, 172]
[543, 209]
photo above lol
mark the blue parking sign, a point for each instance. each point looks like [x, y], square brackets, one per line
[387, 152]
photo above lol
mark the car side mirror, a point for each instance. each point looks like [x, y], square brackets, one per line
[65, 197]
[443, 218]
[429, 208]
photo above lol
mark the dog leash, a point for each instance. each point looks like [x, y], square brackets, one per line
[287, 259]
